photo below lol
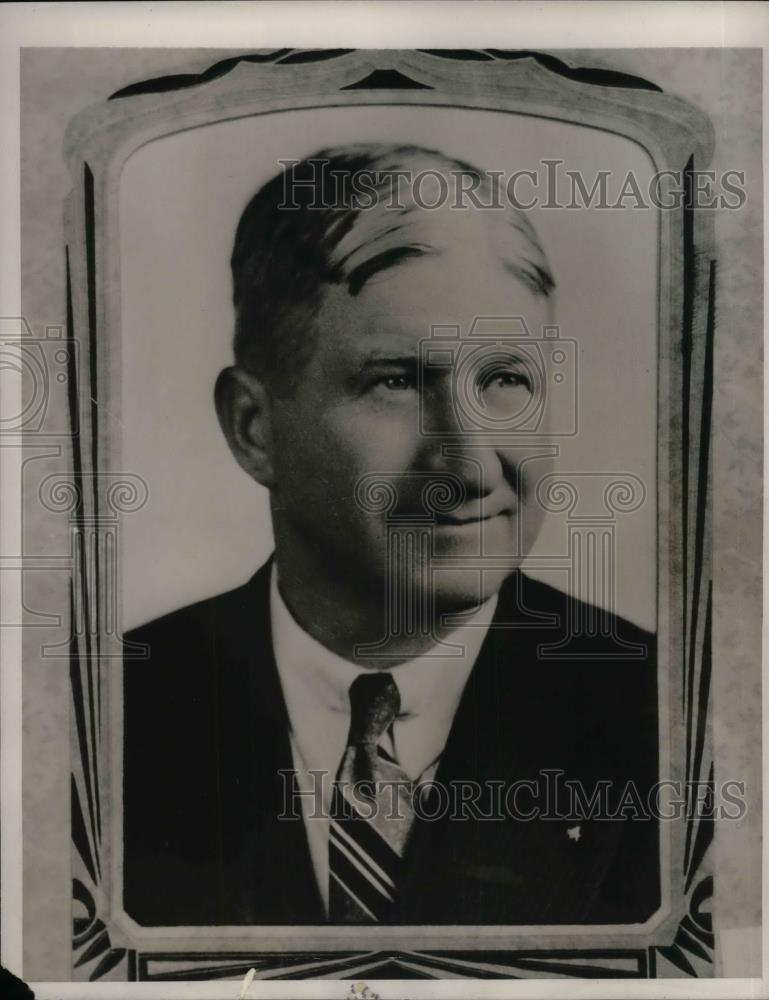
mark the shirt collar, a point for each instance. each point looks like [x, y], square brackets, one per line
[316, 682]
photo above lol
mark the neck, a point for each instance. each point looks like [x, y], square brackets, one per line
[348, 617]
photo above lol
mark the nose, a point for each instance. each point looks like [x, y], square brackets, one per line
[475, 467]
[453, 448]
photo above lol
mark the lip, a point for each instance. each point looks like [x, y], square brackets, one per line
[449, 521]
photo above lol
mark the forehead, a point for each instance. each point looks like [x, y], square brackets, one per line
[401, 304]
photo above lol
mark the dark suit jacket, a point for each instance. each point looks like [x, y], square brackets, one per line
[206, 734]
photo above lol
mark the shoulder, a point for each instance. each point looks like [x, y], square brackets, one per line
[195, 670]
[182, 659]
[599, 629]
[576, 664]
[224, 614]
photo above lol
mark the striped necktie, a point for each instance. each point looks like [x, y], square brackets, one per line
[371, 811]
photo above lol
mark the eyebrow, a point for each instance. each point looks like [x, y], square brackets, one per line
[378, 360]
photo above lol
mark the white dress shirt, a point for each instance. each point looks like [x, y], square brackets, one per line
[315, 685]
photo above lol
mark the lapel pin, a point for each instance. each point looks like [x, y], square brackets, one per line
[574, 832]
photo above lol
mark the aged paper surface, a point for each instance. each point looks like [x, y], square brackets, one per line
[187, 529]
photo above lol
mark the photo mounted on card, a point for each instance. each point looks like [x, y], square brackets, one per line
[390, 520]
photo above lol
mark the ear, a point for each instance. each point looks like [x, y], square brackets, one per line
[242, 405]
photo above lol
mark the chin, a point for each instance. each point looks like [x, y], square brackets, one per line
[462, 590]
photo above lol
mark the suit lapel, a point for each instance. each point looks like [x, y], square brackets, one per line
[278, 881]
[512, 721]
[442, 860]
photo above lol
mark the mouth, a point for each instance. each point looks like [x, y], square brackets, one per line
[458, 521]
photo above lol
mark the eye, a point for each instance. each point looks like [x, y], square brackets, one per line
[505, 379]
[396, 383]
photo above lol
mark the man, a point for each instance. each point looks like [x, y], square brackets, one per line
[392, 643]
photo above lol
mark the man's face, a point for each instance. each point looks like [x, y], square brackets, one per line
[369, 406]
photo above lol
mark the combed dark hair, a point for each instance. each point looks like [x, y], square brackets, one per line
[308, 227]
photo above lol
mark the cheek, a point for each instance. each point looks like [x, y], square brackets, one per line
[323, 464]
[304, 463]
[524, 469]
[369, 441]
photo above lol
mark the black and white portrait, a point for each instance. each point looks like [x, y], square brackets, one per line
[386, 606]
[392, 368]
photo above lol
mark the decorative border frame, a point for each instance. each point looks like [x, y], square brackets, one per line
[677, 137]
